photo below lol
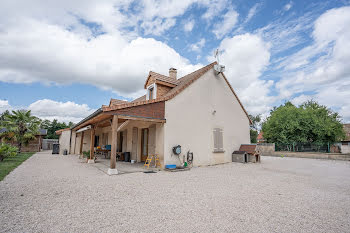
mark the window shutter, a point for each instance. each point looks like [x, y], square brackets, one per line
[218, 139]
[215, 139]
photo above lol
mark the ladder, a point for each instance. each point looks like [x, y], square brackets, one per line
[149, 161]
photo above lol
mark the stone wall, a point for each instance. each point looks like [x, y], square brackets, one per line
[312, 155]
[266, 148]
[345, 149]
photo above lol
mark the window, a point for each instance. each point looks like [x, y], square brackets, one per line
[150, 93]
[218, 140]
[97, 138]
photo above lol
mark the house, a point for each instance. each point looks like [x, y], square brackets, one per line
[345, 144]
[199, 112]
[34, 145]
[260, 138]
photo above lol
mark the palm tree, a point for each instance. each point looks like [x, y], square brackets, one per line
[21, 127]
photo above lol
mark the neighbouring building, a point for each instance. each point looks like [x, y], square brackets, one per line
[260, 138]
[64, 139]
[34, 145]
[345, 144]
[200, 112]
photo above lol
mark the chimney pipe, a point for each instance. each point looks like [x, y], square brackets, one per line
[172, 73]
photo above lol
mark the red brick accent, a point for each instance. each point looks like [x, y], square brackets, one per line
[153, 110]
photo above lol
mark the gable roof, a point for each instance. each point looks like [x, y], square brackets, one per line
[142, 98]
[117, 101]
[180, 83]
[187, 80]
[260, 136]
[160, 77]
[249, 148]
[58, 132]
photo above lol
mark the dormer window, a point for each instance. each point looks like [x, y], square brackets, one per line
[151, 92]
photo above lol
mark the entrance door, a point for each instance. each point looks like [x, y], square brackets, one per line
[144, 144]
[134, 143]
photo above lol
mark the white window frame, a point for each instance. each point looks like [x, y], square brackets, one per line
[154, 94]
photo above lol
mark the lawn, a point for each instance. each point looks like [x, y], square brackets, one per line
[10, 163]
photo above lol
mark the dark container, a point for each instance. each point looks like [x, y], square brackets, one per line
[55, 148]
[65, 152]
[127, 156]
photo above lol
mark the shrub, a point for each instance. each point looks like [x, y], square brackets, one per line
[86, 154]
[7, 150]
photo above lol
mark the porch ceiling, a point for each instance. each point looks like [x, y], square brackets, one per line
[104, 120]
[147, 112]
[101, 119]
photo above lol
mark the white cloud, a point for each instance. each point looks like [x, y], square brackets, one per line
[226, 25]
[300, 99]
[62, 111]
[287, 32]
[214, 8]
[157, 26]
[252, 12]
[4, 105]
[198, 46]
[189, 25]
[50, 110]
[288, 6]
[322, 68]
[246, 57]
[50, 53]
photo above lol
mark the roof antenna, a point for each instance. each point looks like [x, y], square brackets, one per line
[218, 68]
[216, 55]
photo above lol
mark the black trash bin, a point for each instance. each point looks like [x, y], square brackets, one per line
[55, 148]
[127, 156]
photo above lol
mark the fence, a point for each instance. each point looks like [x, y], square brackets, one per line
[305, 147]
[47, 143]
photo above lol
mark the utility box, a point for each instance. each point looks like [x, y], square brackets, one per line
[240, 157]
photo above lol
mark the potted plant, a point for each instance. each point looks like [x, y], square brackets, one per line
[86, 154]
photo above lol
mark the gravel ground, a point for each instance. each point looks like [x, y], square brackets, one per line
[60, 194]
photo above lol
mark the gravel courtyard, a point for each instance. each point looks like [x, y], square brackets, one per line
[60, 194]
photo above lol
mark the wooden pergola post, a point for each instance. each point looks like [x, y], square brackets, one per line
[92, 143]
[81, 143]
[112, 170]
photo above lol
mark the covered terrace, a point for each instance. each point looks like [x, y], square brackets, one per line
[134, 129]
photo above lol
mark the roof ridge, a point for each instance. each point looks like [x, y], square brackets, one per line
[158, 73]
[204, 67]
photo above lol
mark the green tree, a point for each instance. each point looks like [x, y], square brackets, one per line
[310, 122]
[3, 116]
[53, 126]
[21, 127]
[254, 127]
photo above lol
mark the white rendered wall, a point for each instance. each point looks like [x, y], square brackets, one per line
[192, 115]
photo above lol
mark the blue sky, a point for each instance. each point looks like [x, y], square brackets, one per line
[64, 60]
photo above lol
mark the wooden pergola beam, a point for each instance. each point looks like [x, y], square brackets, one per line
[135, 118]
